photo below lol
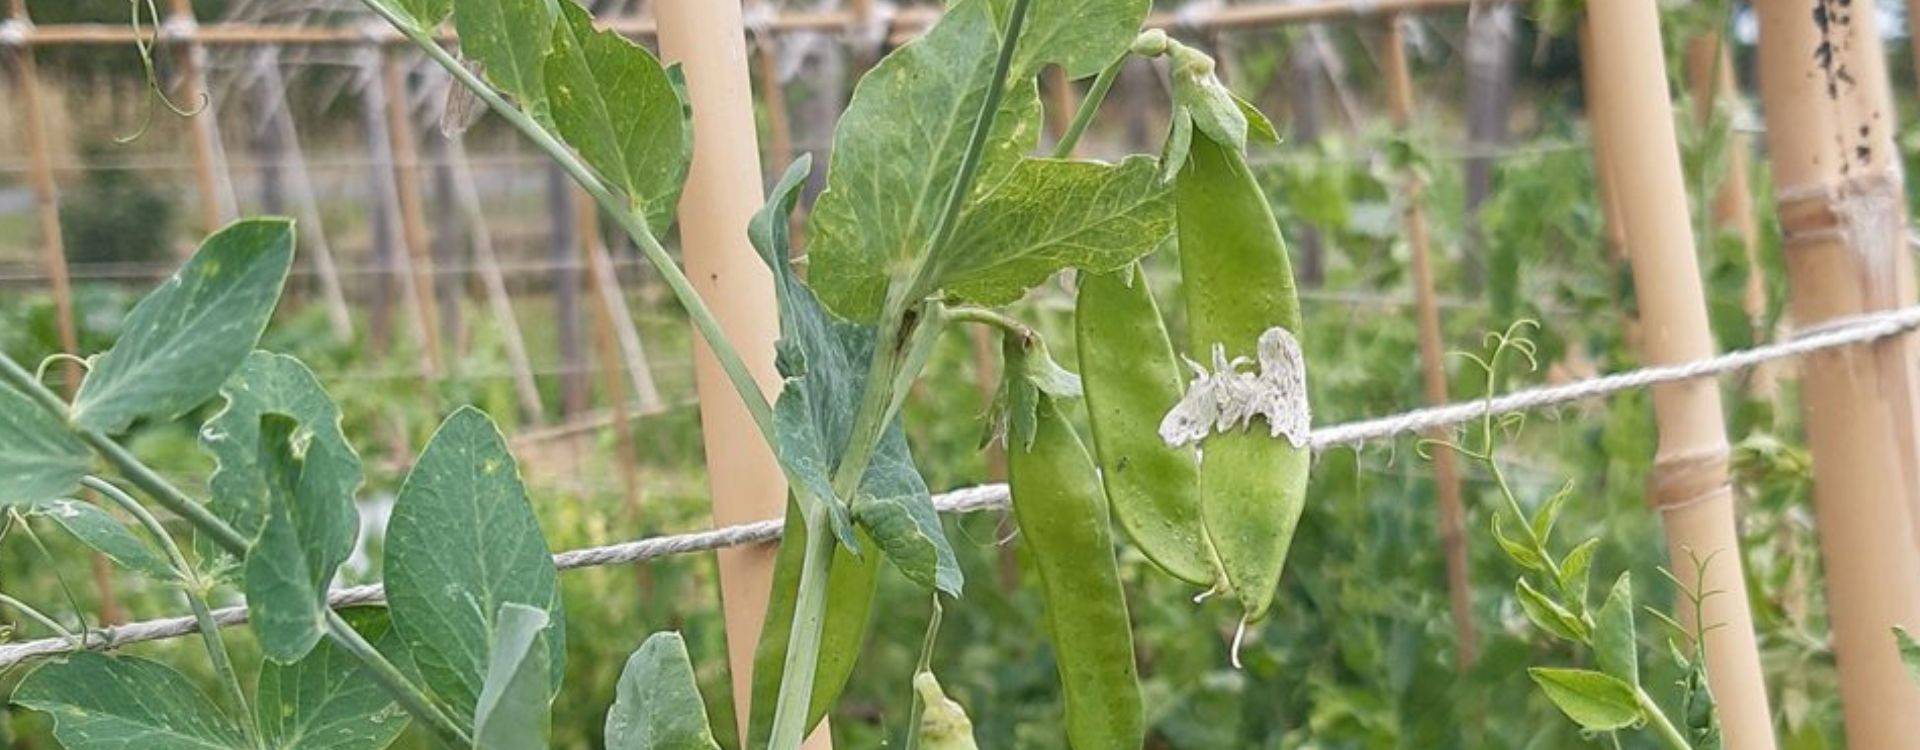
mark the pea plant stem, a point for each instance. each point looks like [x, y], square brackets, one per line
[38, 616]
[397, 684]
[1669, 735]
[1089, 107]
[803, 640]
[621, 210]
[193, 589]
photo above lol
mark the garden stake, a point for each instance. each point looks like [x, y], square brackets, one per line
[396, 264]
[1446, 470]
[1689, 484]
[1825, 199]
[272, 92]
[499, 303]
[1715, 87]
[417, 244]
[209, 160]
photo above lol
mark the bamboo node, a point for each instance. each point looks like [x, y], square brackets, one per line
[178, 28]
[14, 32]
[1686, 480]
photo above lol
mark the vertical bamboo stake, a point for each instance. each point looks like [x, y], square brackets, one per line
[723, 191]
[216, 195]
[46, 198]
[448, 246]
[1714, 87]
[1446, 472]
[566, 293]
[773, 96]
[313, 234]
[1490, 43]
[586, 221]
[418, 243]
[1630, 102]
[606, 286]
[1838, 215]
[499, 303]
[397, 260]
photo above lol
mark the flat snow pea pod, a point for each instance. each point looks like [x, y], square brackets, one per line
[851, 582]
[1238, 284]
[1132, 378]
[1062, 515]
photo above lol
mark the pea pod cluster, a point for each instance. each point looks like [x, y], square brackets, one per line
[1065, 533]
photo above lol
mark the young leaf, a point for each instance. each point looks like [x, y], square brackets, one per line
[1615, 646]
[897, 154]
[99, 701]
[1574, 569]
[326, 701]
[1521, 553]
[278, 384]
[1909, 651]
[310, 530]
[1597, 702]
[39, 458]
[658, 706]
[510, 38]
[421, 15]
[515, 709]
[107, 535]
[462, 542]
[1052, 214]
[614, 104]
[1548, 615]
[1549, 512]
[1259, 128]
[181, 343]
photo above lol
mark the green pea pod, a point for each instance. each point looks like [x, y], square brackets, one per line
[851, 582]
[1062, 515]
[1132, 378]
[1238, 284]
[943, 723]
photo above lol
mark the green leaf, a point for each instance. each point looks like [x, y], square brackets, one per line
[1548, 615]
[658, 705]
[510, 38]
[1521, 553]
[99, 530]
[1081, 36]
[1052, 214]
[1909, 651]
[462, 542]
[1549, 512]
[39, 458]
[1259, 128]
[515, 710]
[421, 15]
[614, 104]
[1574, 570]
[310, 530]
[180, 343]
[99, 701]
[1597, 702]
[327, 701]
[1615, 645]
[825, 362]
[278, 384]
[897, 154]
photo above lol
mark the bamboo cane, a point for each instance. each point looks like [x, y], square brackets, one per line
[1833, 209]
[1446, 472]
[216, 194]
[313, 234]
[586, 222]
[398, 264]
[417, 246]
[773, 96]
[722, 193]
[1714, 87]
[566, 294]
[1689, 485]
[46, 199]
[499, 302]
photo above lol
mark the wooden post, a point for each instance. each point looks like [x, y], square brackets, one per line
[487, 264]
[449, 245]
[1490, 43]
[216, 193]
[566, 293]
[396, 263]
[1603, 170]
[272, 88]
[1842, 238]
[53, 255]
[586, 222]
[773, 96]
[417, 246]
[723, 191]
[1689, 485]
[1446, 472]
[1715, 89]
[1061, 102]
[606, 287]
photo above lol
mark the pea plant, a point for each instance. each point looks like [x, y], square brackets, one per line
[936, 214]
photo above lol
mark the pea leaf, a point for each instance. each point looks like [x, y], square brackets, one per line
[1521, 553]
[1051, 214]
[1549, 512]
[39, 457]
[897, 153]
[326, 701]
[107, 535]
[97, 700]
[309, 531]
[825, 363]
[1548, 614]
[1574, 569]
[277, 384]
[1615, 645]
[179, 344]
[422, 15]
[462, 542]
[510, 38]
[614, 104]
[658, 705]
[1596, 702]
[1081, 36]
[515, 709]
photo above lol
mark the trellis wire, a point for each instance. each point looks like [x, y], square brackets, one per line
[1850, 332]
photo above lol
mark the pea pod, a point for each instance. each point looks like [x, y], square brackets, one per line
[850, 587]
[1132, 379]
[1238, 286]
[1061, 511]
[943, 724]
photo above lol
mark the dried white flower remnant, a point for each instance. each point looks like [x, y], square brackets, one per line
[1229, 397]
